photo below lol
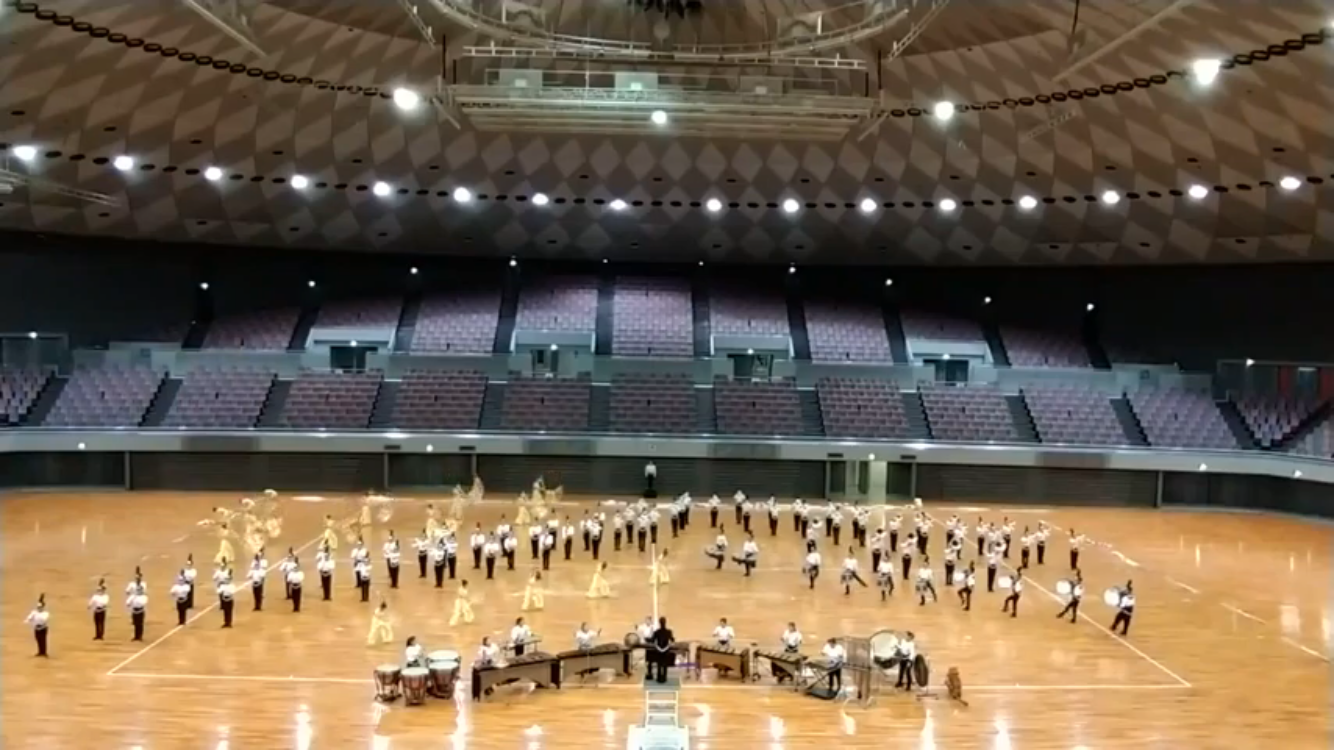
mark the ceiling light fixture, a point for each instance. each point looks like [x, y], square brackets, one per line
[617, 205]
[406, 99]
[213, 174]
[948, 205]
[462, 195]
[1028, 203]
[123, 163]
[381, 189]
[1289, 183]
[1198, 192]
[714, 205]
[1206, 71]
[658, 117]
[868, 205]
[25, 153]
[299, 182]
[790, 206]
[943, 110]
[540, 199]
[1111, 197]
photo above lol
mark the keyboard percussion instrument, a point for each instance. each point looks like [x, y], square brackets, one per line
[537, 667]
[785, 666]
[728, 660]
[580, 662]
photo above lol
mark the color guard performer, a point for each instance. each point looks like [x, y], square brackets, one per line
[750, 554]
[520, 635]
[533, 596]
[362, 573]
[190, 574]
[509, 547]
[423, 545]
[180, 594]
[462, 606]
[884, 577]
[926, 582]
[477, 541]
[227, 600]
[40, 620]
[966, 588]
[810, 567]
[850, 572]
[490, 551]
[791, 639]
[295, 578]
[1076, 596]
[324, 565]
[894, 524]
[567, 538]
[1011, 604]
[1076, 542]
[330, 539]
[598, 588]
[718, 550]
[381, 630]
[97, 604]
[659, 575]
[259, 568]
[137, 603]
[1125, 609]
[993, 561]
[714, 504]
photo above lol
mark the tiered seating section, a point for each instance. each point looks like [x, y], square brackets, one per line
[331, 400]
[105, 397]
[373, 313]
[19, 389]
[1181, 419]
[846, 332]
[270, 330]
[559, 303]
[653, 403]
[1319, 442]
[220, 399]
[757, 408]
[439, 400]
[546, 404]
[1074, 416]
[968, 413]
[919, 324]
[1273, 418]
[745, 311]
[652, 317]
[1033, 348]
[862, 408]
[458, 323]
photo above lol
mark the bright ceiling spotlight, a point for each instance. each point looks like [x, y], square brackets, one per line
[381, 189]
[889, 282]
[1198, 192]
[943, 110]
[1028, 203]
[203, 285]
[311, 284]
[986, 300]
[25, 153]
[1090, 307]
[1111, 197]
[514, 263]
[1206, 71]
[462, 195]
[618, 205]
[790, 206]
[213, 174]
[868, 205]
[413, 270]
[299, 182]
[123, 163]
[948, 205]
[406, 99]
[1289, 183]
[658, 117]
[792, 268]
[714, 205]
[540, 199]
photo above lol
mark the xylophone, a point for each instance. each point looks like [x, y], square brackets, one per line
[538, 667]
[784, 665]
[725, 659]
[580, 662]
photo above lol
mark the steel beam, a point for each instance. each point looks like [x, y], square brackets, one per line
[427, 34]
[17, 179]
[231, 17]
[1111, 45]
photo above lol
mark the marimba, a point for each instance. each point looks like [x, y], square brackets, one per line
[784, 665]
[725, 659]
[579, 662]
[538, 667]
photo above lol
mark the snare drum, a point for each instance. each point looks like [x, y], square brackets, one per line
[414, 685]
[387, 682]
[1112, 597]
[444, 673]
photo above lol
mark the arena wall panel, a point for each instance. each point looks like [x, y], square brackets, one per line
[1012, 484]
[346, 472]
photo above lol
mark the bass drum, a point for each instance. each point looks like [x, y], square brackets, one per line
[884, 649]
[921, 671]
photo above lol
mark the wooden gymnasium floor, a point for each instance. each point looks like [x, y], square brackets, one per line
[1228, 649]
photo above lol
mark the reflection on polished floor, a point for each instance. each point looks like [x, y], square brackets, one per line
[1228, 648]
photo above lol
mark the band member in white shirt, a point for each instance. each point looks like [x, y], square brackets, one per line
[645, 630]
[895, 524]
[477, 541]
[983, 536]
[1011, 604]
[952, 552]
[836, 523]
[40, 620]
[877, 548]
[180, 595]
[362, 573]
[583, 532]
[738, 500]
[359, 554]
[259, 568]
[884, 577]
[909, 545]
[750, 554]
[503, 529]
[723, 633]
[951, 529]
[295, 578]
[1041, 540]
[674, 519]
[137, 585]
[520, 635]
[829, 512]
[1125, 609]
[907, 649]
[993, 561]
[595, 536]
[813, 525]
[285, 567]
[850, 572]
[791, 639]
[1076, 541]
[926, 582]
[617, 529]
[423, 545]
[966, 588]
[1025, 547]
[393, 557]
[508, 547]
[1076, 596]
[923, 533]
[490, 551]
[414, 654]
[487, 654]
[189, 573]
[653, 517]
[324, 565]
[1007, 533]
[584, 638]
[718, 550]
[137, 603]
[835, 654]
[548, 544]
[810, 567]
[747, 508]
[567, 537]
[714, 504]
[650, 479]
[641, 530]
[771, 507]
[97, 604]
[226, 601]
[686, 502]
[451, 554]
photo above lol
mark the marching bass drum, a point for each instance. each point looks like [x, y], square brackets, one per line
[1064, 588]
[1004, 582]
[1112, 597]
[959, 577]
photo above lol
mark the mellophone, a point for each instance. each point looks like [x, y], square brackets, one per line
[538, 667]
[580, 662]
[784, 665]
[414, 683]
[725, 659]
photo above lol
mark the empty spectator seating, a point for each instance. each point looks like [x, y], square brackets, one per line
[439, 400]
[861, 408]
[1318, 442]
[220, 399]
[462, 322]
[1028, 347]
[1272, 418]
[968, 413]
[105, 397]
[652, 317]
[918, 324]
[757, 408]
[270, 330]
[1074, 416]
[653, 403]
[546, 404]
[19, 389]
[559, 303]
[747, 311]
[366, 313]
[1181, 419]
[846, 332]
[331, 400]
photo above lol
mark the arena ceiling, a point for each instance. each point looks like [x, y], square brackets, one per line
[1042, 113]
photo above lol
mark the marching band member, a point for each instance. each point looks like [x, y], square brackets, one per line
[451, 554]
[295, 578]
[830, 510]
[1011, 604]
[137, 585]
[850, 572]
[40, 620]
[737, 500]
[884, 577]
[259, 568]
[894, 524]
[595, 536]
[324, 565]
[724, 633]
[1026, 547]
[909, 544]
[924, 525]
[180, 593]
[925, 582]
[1076, 595]
[1007, 532]
[414, 654]
[362, 573]
[97, 604]
[1041, 539]
[686, 501]
[877, 548]
[477, 541]
[835, 654]
[952, 552]
[359, 555]
[747, 507]
[508, 547]
[791, 639]
[583, 532]
[491, 550]
[673, 518]
[659, 575]
[438, 562]
[423, 545]
[462, 606]
[966, 588]
[567, 537]
[520, 635]
[718, 550]
[862, 517]
[533, 598]
[750, 554]
[548, 544]
[835, 522]
[1076, 541]
[653, 517]
[993, 560]
[220, 573]
[535, 540]
[907, 649]
[598, 588]
[618, 528]
[487, 654]
[772, 507]
[584, 638]
[811, 566]
[393, 555]
[227, 600]
[983, 536]
[137, 603]
[503, 529]
[1125, 609]
[713, 504]
[951, 529]
[798, 512]
[553, 524]
[189, 573]
[814, 525]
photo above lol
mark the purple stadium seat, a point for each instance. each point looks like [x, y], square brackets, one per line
[653, 317]
[461, 322]
[735, 310]
[559, 303]
[533, 404]
[220, 399]
[1045, 348]
[757, 408]
[1074, 416]
[862, 408]
[270, 330]
[653, 403]
[19, 389]
[846, 332]
[366, 313]
[105, 397]
[1181, 419]
[918, 324]
[1318, 442]
[1273, 418]
[331, 400]
[968, 413]
[440, 400]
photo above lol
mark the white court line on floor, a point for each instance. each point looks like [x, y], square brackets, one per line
[240, 678]
[112, 672]
[1310, 651]
[1175, 582]
[1243, 613]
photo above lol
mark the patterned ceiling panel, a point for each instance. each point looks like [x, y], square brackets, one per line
[88, 80]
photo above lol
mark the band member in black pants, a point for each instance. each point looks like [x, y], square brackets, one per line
[294, 580]
[641, 531]
[595, 532]
[226, 601]
[966, 588]
[907, 659]
[40, 620]
[907, 558]
[478, 540]
[1125, 610]
[835, 654]
[393, 556]
[98, 604]
[324, 564]
[363, 575]
[508, 547]
[618, 527]
[180, 593]
[1026, 543]
[1076, 541]
[713, 512]
[653, 526]
[452, 555]
[138, 605]
[1076, 595]
[423, 546]
[258, 570]
[567, 538]
[660, 651]
[438, 563]
[993, 560]
[1011, 604]
[673, 515]
[548, 544]
[491, 550]
[1042, 542]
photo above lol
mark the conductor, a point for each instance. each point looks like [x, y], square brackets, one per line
[660, 655]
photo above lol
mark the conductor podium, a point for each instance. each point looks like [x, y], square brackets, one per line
[661, 728]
